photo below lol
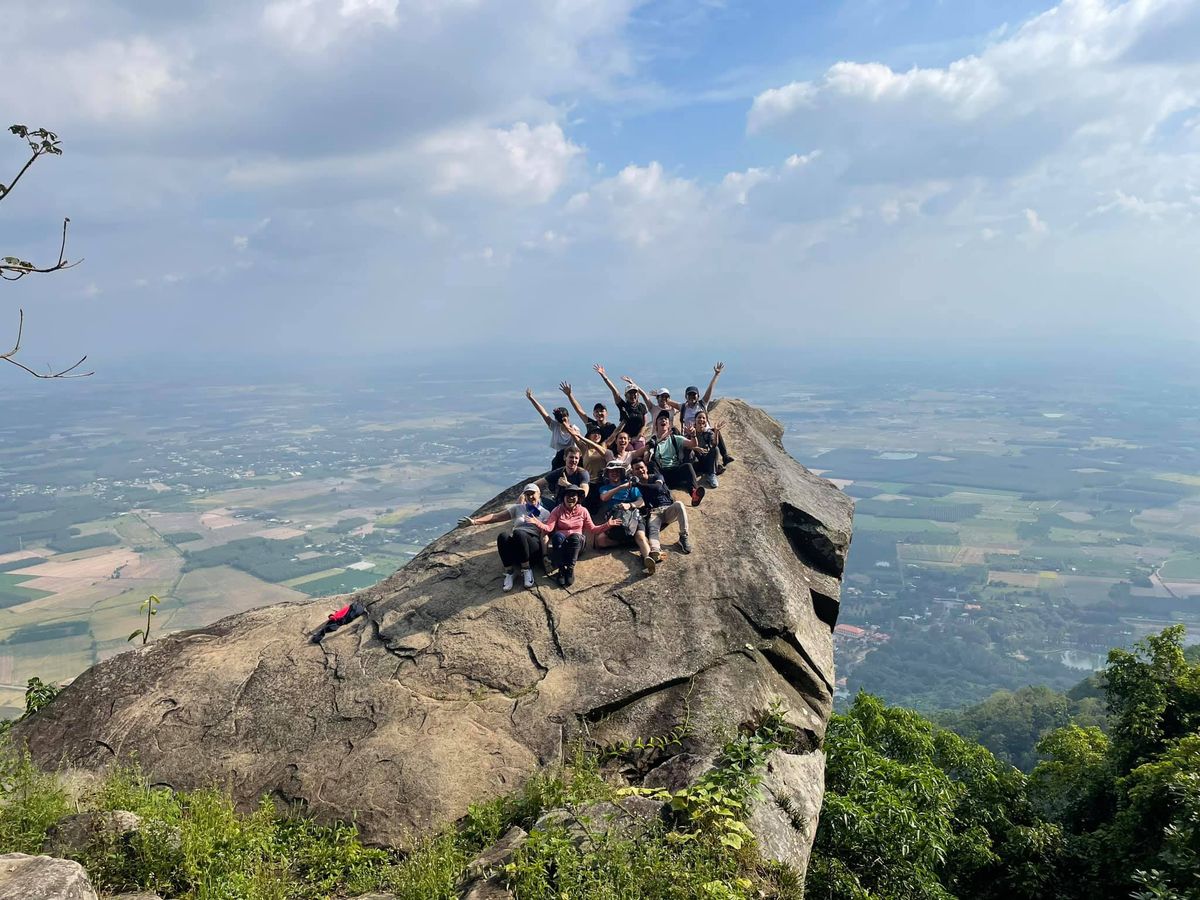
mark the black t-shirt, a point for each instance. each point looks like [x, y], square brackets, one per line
[579, 477]
[634, 416]
[655, 492]
[605, 430]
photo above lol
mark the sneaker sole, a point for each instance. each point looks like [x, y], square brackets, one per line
[649, 565]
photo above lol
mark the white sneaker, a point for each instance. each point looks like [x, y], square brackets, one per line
[508, 581]
[528, 578]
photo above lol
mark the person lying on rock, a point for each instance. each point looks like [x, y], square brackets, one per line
[521, 544]
[694, 404]
[633, 411]
[668, 451]
[708, 437]
[569, 474]
[661, 509]
[567, 525]
[598, 420]
[623, 502]
[560, 437]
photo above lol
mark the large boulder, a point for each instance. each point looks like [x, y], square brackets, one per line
[25, 877]
[450, 691]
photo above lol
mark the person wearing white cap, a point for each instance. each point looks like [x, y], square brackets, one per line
[658, 401]
[522, 543]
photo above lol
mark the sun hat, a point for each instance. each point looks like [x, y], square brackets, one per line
[573, 489]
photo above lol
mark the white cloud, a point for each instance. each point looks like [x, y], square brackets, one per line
[1035, 223]
[521, 163]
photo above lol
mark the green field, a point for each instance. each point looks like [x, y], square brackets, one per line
[12, 594]
[1181, 568]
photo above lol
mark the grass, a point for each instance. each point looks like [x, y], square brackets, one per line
[1181, 568]
[342, 583]
[196, 845]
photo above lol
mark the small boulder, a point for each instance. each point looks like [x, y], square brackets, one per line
[24, 877]
[76, 833]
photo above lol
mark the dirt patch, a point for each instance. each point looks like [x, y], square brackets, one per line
[1016, 579]
[279, 533]
[218, 518]
[91, 567]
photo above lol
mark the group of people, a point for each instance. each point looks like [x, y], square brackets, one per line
[612, 480]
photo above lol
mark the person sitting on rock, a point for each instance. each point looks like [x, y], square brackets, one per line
[694, 403]
[593, 460]
[661, 509]
[621, 450]
[520, 544]
[658, 402]
[598, 420]
[569, 474]
[623, 502]
[633, 411]
[668, 452]
[704, 458]
[560, 437]
[567, 525]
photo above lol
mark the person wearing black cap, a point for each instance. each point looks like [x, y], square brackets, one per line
[667, 451]
[597, 421]
[694, 403]
[633, 411]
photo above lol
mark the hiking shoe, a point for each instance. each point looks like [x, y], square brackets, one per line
[528, 573]
[697, 495]
[508, 581]
[685, 543]
[569, 578]
[561, 578]
[711, 480]
[656, 555]
[649, 565]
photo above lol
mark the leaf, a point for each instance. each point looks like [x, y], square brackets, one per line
[137, 633]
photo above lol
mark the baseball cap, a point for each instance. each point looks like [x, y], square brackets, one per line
[531, 487]
[692, 389]
[662, 391]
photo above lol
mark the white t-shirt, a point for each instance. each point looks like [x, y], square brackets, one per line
[688, 413]
[655, 409]
[518, 511]
[560, 438]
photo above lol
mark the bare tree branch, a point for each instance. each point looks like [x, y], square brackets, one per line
[8, 357]
[12, 268]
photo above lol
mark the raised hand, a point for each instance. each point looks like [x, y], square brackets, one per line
[599, 369]
[529, 393]
[573, 430]
[565, 388]
[718, 368]
[627, 380]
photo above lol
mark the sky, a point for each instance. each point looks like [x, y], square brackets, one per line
[395, 178]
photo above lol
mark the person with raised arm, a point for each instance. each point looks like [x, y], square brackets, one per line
[521, 544]
[633, 411]
[560, 437]
[694, 403]
[619, 450]
[667, 451]
[567, 525]
[598, 419]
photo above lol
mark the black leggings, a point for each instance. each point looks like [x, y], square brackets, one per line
[705, 461]
[681, 477]
[519, 548]
[566, 549]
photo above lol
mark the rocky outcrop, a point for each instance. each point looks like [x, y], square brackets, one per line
[25, 877]
[450, 691]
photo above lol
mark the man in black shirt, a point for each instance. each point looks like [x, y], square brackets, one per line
[660, 508]
[633, 410]
[597, 421]
[571, 474]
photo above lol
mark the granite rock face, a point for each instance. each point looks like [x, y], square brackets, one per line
[450, 692]
[25, 877]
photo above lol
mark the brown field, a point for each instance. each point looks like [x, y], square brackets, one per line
[218, 518]
[205, 595]
[22, 554]
[1016, 579]
[101, 565]
[278, 533]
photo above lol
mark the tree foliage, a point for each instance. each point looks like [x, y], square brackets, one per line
[912, 810]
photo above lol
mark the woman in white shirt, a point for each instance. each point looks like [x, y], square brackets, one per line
[521, 544]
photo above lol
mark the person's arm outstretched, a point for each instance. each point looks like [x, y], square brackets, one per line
[582, 441]
[468, 521]
[541, 409]
[633, 384]
[617, 399]
[612, 438]
[717, 370]
[566, 389]
[591, 527]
